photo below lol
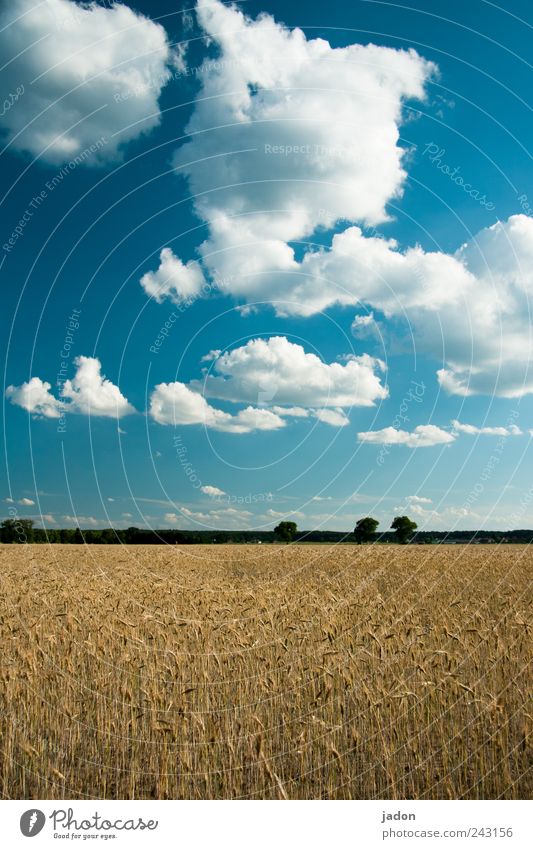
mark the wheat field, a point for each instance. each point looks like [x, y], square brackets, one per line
[299, 672]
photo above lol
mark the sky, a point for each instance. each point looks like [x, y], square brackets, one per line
[266, 261]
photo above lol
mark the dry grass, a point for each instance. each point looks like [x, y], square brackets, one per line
[266, 672]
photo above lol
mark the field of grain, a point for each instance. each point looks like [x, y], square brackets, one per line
[265, 672]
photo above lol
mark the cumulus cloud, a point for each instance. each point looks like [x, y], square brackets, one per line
[171, 518]
[273, 94]
[173, 279]
[275, 98]
[264, 371]
[80, 521]
[335, 418]
[34, 396]
[212, 490]
[367, 327]
[88, 393]
[177, 404]
[92, 394]
[86, 73]
[278, 514]
[211, 355]
[292, 412]
[277, 370]
[512, 430]
[253, 418]
[418, 506]
[454, 384]
[423, 436]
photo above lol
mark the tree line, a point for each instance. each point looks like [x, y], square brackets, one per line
[24, 531]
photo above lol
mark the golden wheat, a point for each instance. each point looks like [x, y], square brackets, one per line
[265, 672]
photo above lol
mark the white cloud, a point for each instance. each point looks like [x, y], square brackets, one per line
[335, 418]
[47, 517]
[88, 393]
[420, 511]
[35, 397]
[277, 514]
[275, 369]
[24, 502]
[173, 279]
[454, 384]
[275, 98]
[177, 404]
[423, 436]
[212, 490]
[292, 412]
[261, 371]
[367, 327]
[87, 72]
[470, 308]
[362, 321]
[231, 511]
[211, 355]
[417, 506]
[81, 520]
[171, 518]
[512, 430]
[253, 418]
[92, 394]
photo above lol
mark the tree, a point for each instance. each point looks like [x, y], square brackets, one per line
[286, 531]
[17, 530]
[365, 529]
[404, 528]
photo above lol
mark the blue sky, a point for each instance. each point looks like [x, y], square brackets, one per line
[289, 250]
